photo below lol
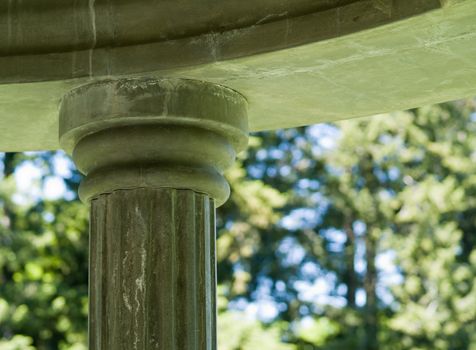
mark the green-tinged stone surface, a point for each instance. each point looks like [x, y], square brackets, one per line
[153, 152]
[327, 61]
[153, 133]
[152, 271]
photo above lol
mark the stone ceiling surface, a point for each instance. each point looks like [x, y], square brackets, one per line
[297, 62]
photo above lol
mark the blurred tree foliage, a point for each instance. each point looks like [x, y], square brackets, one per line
[43, 268]
[356, 235]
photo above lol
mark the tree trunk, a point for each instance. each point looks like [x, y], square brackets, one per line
[350, 277]
[370, 286]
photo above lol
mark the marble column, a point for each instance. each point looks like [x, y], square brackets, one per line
[153, 152]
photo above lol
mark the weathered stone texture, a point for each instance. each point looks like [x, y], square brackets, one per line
[152, 271]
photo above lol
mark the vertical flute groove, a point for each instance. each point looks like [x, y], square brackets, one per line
[152, 271]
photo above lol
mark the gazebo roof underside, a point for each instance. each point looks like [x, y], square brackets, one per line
[297, 62]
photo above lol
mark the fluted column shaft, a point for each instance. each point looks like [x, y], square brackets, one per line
[152, 270]
[153, 152]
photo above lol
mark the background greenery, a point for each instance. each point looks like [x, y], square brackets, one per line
[354, 235]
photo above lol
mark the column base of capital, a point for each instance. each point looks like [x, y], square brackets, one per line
[153, 133]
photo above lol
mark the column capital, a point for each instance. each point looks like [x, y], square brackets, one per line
[153, 133]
